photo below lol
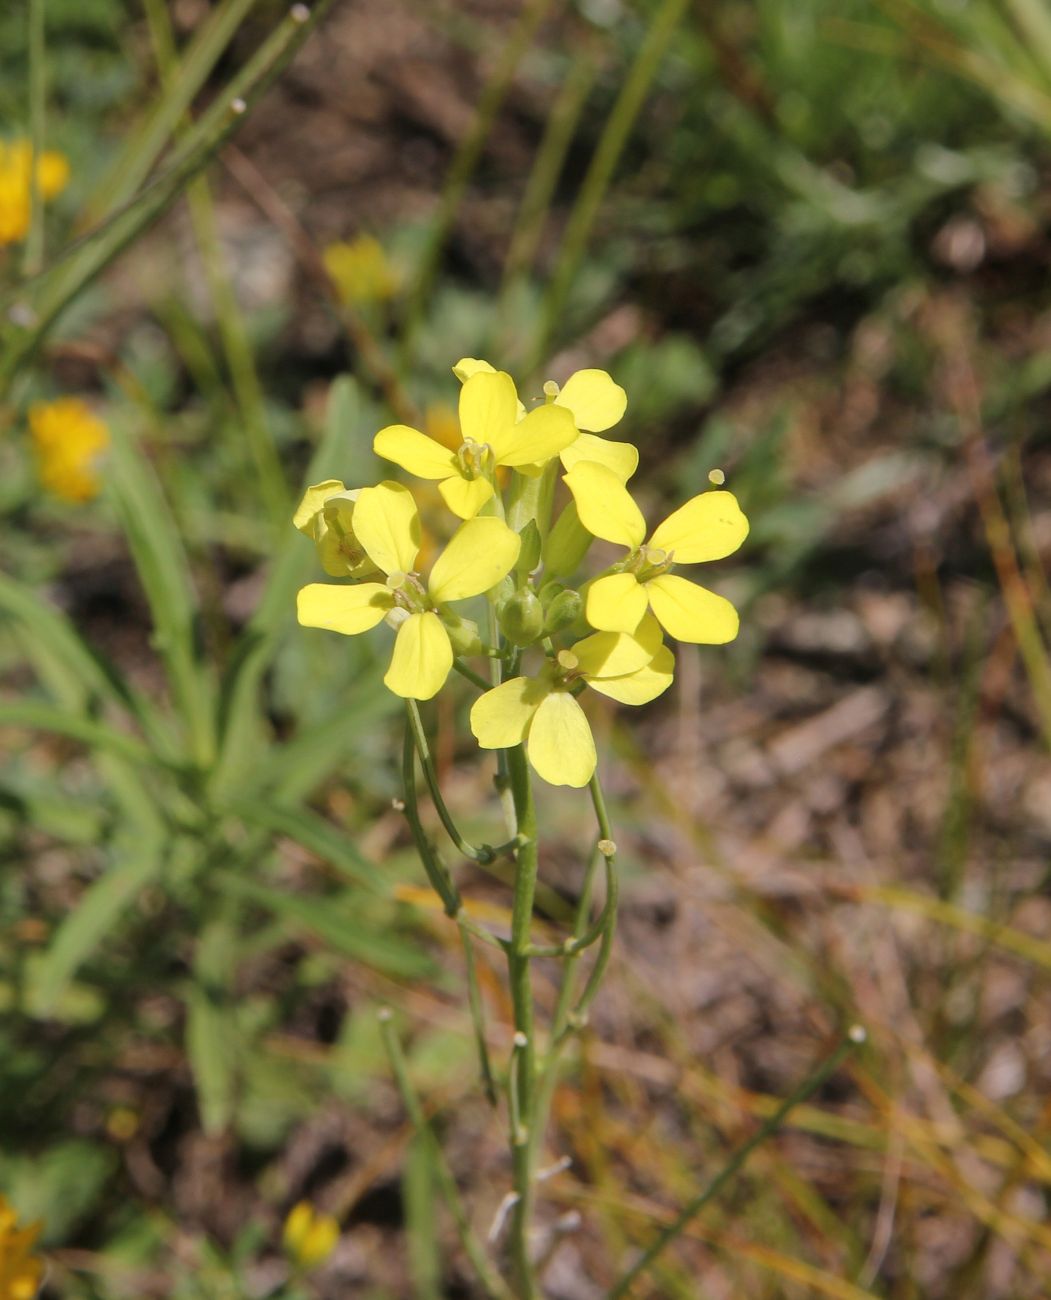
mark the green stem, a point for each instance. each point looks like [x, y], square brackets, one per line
[491, 1283]
[474, 999]
[441, 882]
[523, 1064]
[610, 145]
[34, 252]
[484, 853]
[806, 1089]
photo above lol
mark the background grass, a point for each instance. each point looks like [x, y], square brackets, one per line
[810, 241]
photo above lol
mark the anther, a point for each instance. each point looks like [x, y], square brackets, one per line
[551, 390]
[717, 477]
[568, 660]
[654, 555]
[396, 580]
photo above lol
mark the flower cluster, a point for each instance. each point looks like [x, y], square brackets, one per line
[16, 186]
[20, 1272]
[547, 642]
[68, 441]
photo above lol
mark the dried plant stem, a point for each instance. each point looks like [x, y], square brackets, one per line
[807, 1088]
[34, 254]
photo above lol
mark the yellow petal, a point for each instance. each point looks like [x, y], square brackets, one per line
[314, 498]
[560, 745]
[620, 457]
[479, 554]
[422, 659]
[596, 402]
[707, 527]
[612, 654]
[641, 686]
[604, 504]
[468, 366]
[465, 496]
[343, 609]
[536, 439]
[414, 451]
[53, 174]
[501, 717]
[615, 603]
[691, 613]
[387, 524]
[319, 1242]
[488, 405]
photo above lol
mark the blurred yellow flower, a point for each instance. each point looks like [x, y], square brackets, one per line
[16, 188]
[361, 270]
[68, 439]
[20, 1273]
[309, 1237]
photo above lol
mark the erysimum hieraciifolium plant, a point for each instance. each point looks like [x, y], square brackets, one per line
[540, 636]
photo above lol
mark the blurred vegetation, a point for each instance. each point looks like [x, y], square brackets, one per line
[752, 215]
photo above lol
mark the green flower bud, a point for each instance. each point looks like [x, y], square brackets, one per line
[567, 543]
[463, 633]
[563, 611]
[522, 618]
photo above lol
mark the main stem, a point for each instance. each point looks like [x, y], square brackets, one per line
[523, 1147]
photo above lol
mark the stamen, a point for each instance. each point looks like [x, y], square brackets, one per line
[717, 477]
[568, 660]
[551, 390]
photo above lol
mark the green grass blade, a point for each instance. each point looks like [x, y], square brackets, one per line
[241, 726]
[93, 920]
[313, 833]
[163, 570]
[211, 1032]
[148, 141]
[344, 928]
[43, 717]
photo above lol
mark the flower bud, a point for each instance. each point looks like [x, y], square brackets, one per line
[563, 611]
[522, 618]
[463, 633]
[567, 543]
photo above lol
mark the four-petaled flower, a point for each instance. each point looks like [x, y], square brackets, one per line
[596, 404]
[708, 527]
[387, 526]
[543, 712]
[492, 435]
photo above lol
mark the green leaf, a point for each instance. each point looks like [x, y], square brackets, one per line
[352, 930]
[241, 724]
[93, 919]
[313, 833]
[211, 1031]
[163, 570]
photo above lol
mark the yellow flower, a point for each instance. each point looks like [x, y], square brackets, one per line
[309, 1238]
[387, 525]
[20, 1273]
[543, 711]
[68, 440]
[595, 402]
[361, 270]
[16, 188]
[708, 527]
[326, 516]
[492, 435]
